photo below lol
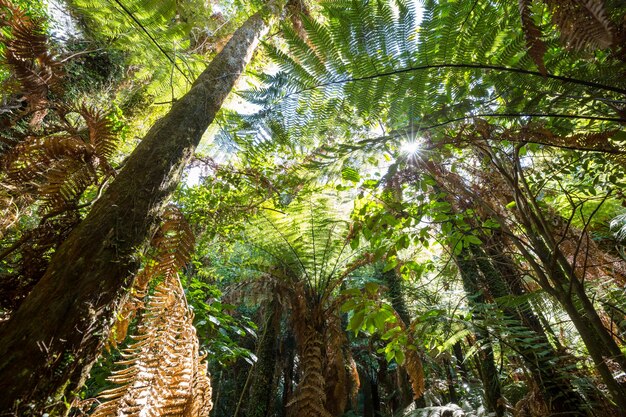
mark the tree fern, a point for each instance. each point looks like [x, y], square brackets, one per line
[464, 59]
[162, 373]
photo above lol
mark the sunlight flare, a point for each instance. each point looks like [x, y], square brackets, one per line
[410, 147]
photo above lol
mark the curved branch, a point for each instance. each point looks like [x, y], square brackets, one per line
[467, 66]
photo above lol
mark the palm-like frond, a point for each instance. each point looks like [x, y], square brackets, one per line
[371, 62]
[305, 244]
[163, 373]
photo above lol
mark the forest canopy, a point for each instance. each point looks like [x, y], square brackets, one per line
[313, 208]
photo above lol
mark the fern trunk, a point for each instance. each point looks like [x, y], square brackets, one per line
[49, 344]
[538, 354]
[310, 395]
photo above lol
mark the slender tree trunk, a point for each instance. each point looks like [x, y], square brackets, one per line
[262, 387]
[369, 406]
[489, 373]
[537, 353]
[394, 285]
[49, 344]
[289, 348]
[570, 293]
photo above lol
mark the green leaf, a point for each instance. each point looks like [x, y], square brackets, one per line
[371, 288]
[350, 174]
[399, 357]
[472, 239]
[391, 263]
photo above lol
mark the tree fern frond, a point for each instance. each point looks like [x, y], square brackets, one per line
[536, 47]
[162, 373]
[583, 23]
[172, 246]
[34, 69]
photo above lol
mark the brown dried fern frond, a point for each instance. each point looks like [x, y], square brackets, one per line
[415, 370]
[34, 69]
[583, 23]
[173, 242]
[100, 131]
[57, 169]
[173, 245]
[588, 259]
[353, 380]
[162, 373]
[532, 33]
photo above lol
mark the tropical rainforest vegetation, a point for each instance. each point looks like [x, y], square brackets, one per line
[313, 208]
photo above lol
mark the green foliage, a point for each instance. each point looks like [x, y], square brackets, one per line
[369, 62]
[217, 329]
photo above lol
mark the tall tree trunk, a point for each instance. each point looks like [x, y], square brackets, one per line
[468, 269]
[537, 353]
[394, 285]
[49, 344]
[262, 386]
[289, 354]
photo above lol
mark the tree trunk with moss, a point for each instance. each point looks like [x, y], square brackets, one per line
[534, 347]
[262, 386]
[469, 271]
[50, 343]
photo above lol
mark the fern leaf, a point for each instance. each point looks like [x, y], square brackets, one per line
[536, 47]
[173, 245]
[415, 370]
[28, 56]
[162, 373]
[583, 23]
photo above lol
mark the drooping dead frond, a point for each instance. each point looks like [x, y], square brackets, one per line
[58, 169]
[173, 245]
[415, 370]
[162, 372]
[532, 33]
[353, 380]
[100, 132]
[583, 23]
[34, 70]
[588, 260]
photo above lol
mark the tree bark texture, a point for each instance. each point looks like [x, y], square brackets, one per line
[489, 374]
[49, 344]
[309, 397]
[395, 293]
[538, 354]
[262, 387]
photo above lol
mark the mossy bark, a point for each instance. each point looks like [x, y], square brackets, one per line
[262, 386]
[49, 344]
[534, 347]
[469, 271]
